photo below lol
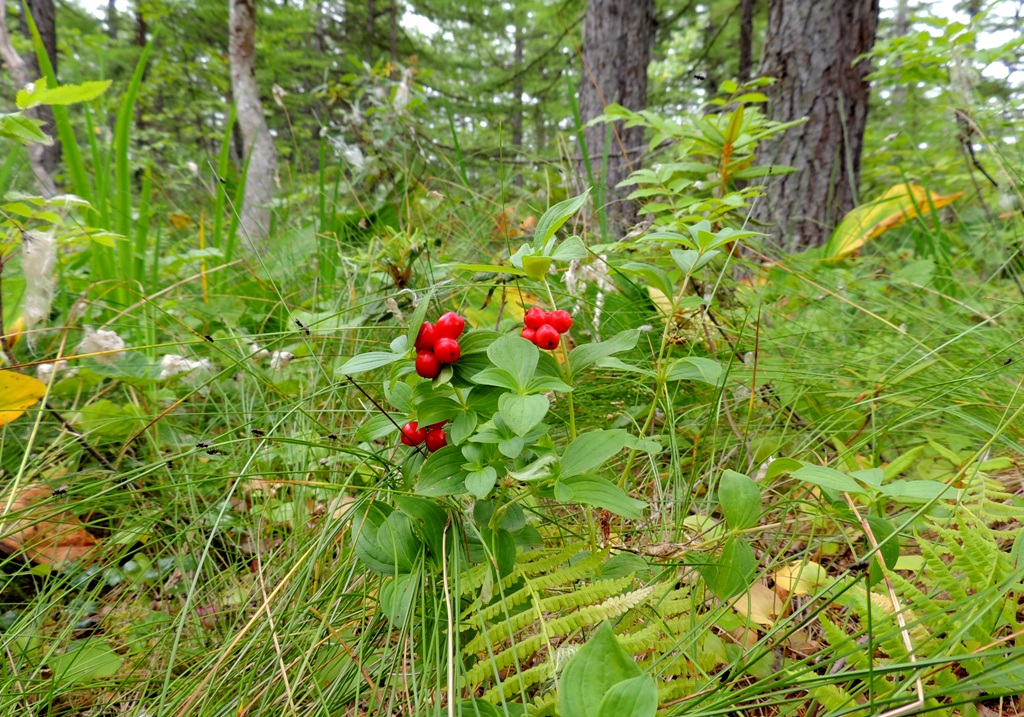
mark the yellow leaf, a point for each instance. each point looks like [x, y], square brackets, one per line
[15, 331]
[899, 203]
[760, 604]
[801, 578]
[17, 392]
[180, 221]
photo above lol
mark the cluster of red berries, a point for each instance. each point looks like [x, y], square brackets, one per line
[545, 328]
[436, 344]
[434, 436]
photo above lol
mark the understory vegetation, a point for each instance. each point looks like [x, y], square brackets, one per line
[737, 481]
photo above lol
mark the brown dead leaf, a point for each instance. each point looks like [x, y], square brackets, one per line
[44, 536]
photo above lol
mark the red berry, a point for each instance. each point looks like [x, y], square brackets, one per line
[436, 440]
[449, 326]
[427, 365]
[432, 426]
[447, 350]
[547, 337]
[426, 337]
[412, 434]
[534, 318]
[529, 334]
[561, 320]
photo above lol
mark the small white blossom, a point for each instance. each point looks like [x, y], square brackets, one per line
[45, 370]
[106, 345]
[192, 167]
[173, 364]
[279, 360]
[256, 352]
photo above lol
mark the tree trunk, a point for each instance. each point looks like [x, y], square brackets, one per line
[141, 28]
[516, 121]
[44, 14]
[371, 18]
[112, 19]
[257, 142]
[21, 76]
[899, 94]
[393, 36]
[810, 49]
[746, 39]
[617, 40]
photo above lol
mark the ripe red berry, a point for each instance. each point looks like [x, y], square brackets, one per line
[547, 337]
[447, 350]
[436, 439]
[529, 334]
[412, 434]
[427, 365]
[561, 320]
[426, 337]
[534, 318]
[449, 326]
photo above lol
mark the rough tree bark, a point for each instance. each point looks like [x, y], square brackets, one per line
[746, 39]
[256, 140]
[810, 49]
[19, 70]
[617, 40]
[44, 14]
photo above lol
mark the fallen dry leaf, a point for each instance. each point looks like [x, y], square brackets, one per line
[45, 537]
[760, 604]
[801, 578]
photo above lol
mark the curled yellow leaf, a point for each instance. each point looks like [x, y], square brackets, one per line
[17, 392]
[899, 203]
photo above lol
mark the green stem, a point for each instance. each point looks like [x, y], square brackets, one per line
[565, 371]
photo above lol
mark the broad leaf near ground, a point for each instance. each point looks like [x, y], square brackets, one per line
[593, 674]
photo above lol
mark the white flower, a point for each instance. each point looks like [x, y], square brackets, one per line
[106, 345]
[192, 167]
[45, 370]
[256, 352]
[173, 364]
[279, 360]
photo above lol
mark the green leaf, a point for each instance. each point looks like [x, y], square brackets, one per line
[590, 450]
[369, 361]
[889, 549]
[489, 269]
[428, 520]
[496, 377]
[740, 499]
[462, 426]
[23, 129]
[586, 354]
[730, 573]
[555, 217]
[571, 248]
[695, 368]
[637, 697]
[63, 95]
[442, 473]
[600, 665]
[829, 478]
[398, 598]
[540, 468]
[655, 276]
[536, 266]
[782, 465]
[521, 413]
[690, 261]
[84, 661]
[479, 483]
[917, 491]
[384, 540]
[376, 426]
[517, 356]
[416, 320]
[600, 492]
